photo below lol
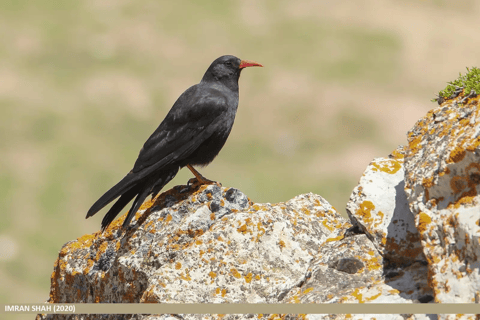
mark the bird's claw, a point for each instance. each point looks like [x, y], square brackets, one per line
[192, 181]
[200, 182]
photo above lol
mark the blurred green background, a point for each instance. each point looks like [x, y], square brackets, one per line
[84, 83]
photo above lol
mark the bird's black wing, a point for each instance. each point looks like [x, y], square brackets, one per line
[189, 123]
[194, 117]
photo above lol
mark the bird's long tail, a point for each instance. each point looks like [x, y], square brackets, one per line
[152, 186]
[118, 206]
[122, 187]
[128, 189]
[142, 195]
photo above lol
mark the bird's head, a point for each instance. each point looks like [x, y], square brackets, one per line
[227, 69]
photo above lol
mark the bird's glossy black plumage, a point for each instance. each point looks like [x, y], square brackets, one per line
[193, 133]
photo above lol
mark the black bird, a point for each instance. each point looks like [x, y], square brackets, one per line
[193, 133]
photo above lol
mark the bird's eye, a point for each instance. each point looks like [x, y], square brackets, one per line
[228, 64]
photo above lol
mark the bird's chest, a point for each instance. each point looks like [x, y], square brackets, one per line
[209, 149]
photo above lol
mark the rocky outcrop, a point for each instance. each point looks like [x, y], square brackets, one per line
[379, 207]
[209, 244]
[442, 177]
[413, 237]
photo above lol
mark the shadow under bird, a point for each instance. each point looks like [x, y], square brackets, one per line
[193, 133]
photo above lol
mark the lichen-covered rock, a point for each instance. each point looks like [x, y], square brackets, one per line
[413, 237]
[379, 206]
[442, 176]
[210, 245]
[351, 270]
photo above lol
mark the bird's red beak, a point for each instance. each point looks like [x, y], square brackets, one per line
[248, 63]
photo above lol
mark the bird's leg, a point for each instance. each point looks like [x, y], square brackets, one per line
[201, 179]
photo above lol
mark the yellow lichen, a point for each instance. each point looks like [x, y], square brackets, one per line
[373, 264]
[185, 277]
[325, 223]
[356, 294]
[423, 221]
[307, 290]
[387, 166]
[381, 215]
[235, 273]
[456, 155]
[83, 242]
[242, 229]
[397, 154]
[340, 237]
[427, 182]
[248, 277]
[365, 210]
[415, 145]
[373, 297]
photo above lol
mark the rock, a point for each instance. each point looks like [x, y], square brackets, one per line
[379, 207]
[442, 176]
[413, 238]
[351, 269]
[211, 245]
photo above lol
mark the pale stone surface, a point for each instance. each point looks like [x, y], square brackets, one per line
[212, 245]
[415, 238]
[442, 173]
[351, 270]
[379, 206]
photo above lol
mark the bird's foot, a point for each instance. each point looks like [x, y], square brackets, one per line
[199, 182]
[199, 179]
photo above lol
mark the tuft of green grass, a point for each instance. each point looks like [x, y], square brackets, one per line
[466, 83]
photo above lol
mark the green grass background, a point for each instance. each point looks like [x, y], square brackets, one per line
[84, 83]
